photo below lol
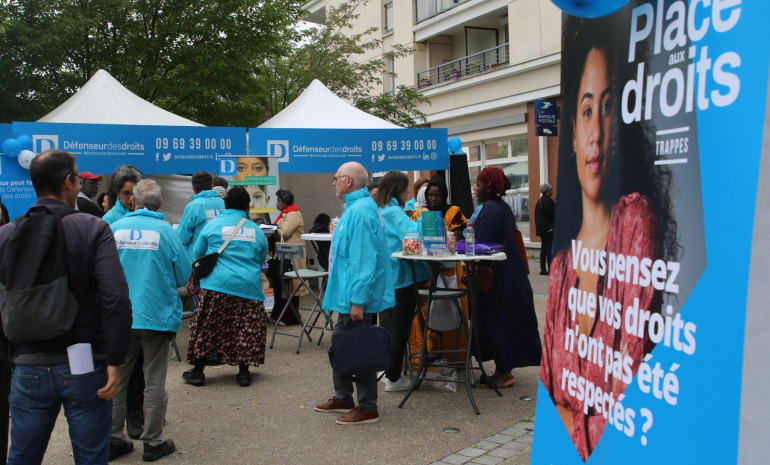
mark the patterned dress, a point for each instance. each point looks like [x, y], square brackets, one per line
[441, 340]
[230, 326]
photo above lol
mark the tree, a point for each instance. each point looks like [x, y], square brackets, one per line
[330, 54]
[196, 58]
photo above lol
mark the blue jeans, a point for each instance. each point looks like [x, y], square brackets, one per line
[37, 394]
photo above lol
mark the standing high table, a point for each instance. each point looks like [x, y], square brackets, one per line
[471, 337]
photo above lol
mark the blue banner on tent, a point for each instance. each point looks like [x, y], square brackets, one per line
[324, 150]
[152, 149]
[16, 189]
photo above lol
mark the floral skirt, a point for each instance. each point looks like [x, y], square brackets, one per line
[232, 327]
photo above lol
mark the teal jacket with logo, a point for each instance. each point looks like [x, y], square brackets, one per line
[204, 207]
[239, 267]
[398, 225]
[116, 213]
[360, 271]
[155, 264]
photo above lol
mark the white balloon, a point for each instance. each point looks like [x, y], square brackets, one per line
[25, 158]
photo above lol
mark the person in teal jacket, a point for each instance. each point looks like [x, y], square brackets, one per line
[360, 285]
[206, 205]
[230, 319]
[410, 205]
[156, 265]
[398, 320]
[121, 192]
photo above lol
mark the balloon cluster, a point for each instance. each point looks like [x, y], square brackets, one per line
[20, 148]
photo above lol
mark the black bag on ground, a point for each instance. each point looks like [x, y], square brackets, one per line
[360, 348]
[35, 300]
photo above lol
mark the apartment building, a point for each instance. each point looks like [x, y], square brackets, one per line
[482, 64]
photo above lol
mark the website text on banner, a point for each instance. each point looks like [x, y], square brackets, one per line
[324, 150]
[153, 149]
[639, 332]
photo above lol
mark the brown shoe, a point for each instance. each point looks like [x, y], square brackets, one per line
[358, 416]
[332, 405]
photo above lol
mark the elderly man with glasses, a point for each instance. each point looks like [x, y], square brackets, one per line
[89, 187]
[122, 192]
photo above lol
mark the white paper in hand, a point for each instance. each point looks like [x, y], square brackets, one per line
[81, 358]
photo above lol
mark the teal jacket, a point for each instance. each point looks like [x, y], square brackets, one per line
[398, 225]
[156, 264]
[116, 213]
[202, 209]
[360, 270]
[410, 204]
[238, 270]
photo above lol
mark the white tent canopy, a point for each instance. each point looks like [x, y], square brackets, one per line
[103, 100]
[318, 108]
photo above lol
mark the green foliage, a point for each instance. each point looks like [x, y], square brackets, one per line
[191, 57]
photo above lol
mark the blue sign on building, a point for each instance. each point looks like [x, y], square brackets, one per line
[324, 150]
[545, 118]
[152, 149]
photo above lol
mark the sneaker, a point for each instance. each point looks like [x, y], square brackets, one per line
[243, 378]
[544, 273]
[332, 405]
[134, 424]
[194, 378]
[119, 450]
[402, 384]
[153, 453]
[358, 416]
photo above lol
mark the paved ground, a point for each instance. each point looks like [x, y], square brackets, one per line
[273, 421]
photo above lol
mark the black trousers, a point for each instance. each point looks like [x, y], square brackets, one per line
[546, 242]
[398, 322]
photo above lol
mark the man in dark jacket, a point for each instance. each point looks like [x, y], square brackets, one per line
[544, 213]
[89, 187]
[42, 382]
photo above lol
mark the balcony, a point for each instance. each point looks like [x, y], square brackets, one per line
[472, 65]
[427, 9]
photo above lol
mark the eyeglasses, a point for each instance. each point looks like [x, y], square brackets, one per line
[127, 194]
[335, 179]
[91, 181]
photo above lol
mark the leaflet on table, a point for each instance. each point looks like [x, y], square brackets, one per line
[259, 175]
[433, 231]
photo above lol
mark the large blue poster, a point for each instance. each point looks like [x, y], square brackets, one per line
[660, 146]
[324, 150]
[152, 149]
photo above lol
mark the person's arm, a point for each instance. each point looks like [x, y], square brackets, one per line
[116, 308]
[289, 223]
[402, 223]
[201, 245]
[361, 266]
[181, 262]
[549, 207]
[186, 225]
[492, 226]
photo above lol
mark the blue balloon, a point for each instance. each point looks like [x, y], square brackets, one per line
[590, 8]
[12, 148]
[455, 144]
[26, 142]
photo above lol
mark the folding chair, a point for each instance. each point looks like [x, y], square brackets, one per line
[292, 252]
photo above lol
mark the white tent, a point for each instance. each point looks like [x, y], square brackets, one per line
[103, 100]
[319, 108]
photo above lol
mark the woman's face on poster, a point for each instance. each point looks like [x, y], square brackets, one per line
[593, 126]
[250, 166]
[259, 198]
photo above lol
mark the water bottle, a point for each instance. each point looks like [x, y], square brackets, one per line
[470, 241]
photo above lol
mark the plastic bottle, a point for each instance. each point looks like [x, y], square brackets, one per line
[333, 224]
[470, 241]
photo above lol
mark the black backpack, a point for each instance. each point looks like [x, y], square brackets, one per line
[35, 300]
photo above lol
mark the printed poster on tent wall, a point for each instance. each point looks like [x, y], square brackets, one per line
[259, 176]
[662, 123]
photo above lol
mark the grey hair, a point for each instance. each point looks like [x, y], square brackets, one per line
[147, 195]
[122, 175]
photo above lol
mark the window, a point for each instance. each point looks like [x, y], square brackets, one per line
[389, 81]
[511, 156]
[388, 17]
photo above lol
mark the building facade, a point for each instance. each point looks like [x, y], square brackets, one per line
[482, 64]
